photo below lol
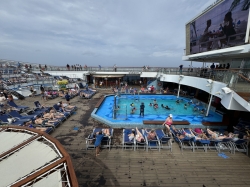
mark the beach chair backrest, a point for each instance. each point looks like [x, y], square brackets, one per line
[37, 104]
[4, 118]
[11, 103]
[56, 107]
[15, 114]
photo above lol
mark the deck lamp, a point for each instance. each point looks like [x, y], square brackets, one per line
[226, 90]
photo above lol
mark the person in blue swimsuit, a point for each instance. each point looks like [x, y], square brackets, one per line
[98, 141]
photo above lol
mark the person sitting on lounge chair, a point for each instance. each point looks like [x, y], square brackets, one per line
[197, 137]
[106, 132]
[41, 121]
[83, 94]
[50, 115]
[30, 125]
[139, 137]
[151, 134]
[56, 114]
[215, 135]
[66, 106]
[131, 136]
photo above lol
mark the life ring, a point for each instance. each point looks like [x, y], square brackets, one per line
[159, 84]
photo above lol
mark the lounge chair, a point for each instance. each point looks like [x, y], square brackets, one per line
[151, 144]
[165, 141]
[203, 144]
[240, 146]
[6, 119]
[58, 109]
[144, 144]
[126, 143]
[106, 141]
[21, 108]
[55, 124]
[40, 107]
[16, 115]
[185, 143]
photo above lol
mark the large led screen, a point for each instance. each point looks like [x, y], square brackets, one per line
[223, 26]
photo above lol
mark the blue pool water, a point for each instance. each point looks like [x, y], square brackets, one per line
[105, 111]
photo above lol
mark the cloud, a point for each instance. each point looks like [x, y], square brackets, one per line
[165, 53]
[127, 32]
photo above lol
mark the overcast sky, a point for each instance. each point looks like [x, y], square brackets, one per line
[93, 32]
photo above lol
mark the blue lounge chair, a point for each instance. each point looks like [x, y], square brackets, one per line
[21, 108]
[185, 143]
[58, 109]
[144, 144]
[240, 146]
[15, 114]
[151, 144]
[40, 108]
[6, 119]
[106, 141]
[126, 142]
[165, 141]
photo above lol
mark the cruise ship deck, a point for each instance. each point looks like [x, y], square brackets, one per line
[119, 167]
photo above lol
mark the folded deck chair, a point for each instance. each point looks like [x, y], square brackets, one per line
[106, 141]
[165, 140]
[126, 142]
[6, 119]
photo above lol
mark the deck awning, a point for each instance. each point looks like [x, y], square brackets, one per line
[149, 74]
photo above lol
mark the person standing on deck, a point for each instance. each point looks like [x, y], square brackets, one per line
[98, 142]
[180, 70]
[167, 124]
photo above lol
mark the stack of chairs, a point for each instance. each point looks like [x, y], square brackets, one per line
[106, 141]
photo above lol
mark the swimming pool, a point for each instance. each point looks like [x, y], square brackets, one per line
[124, 117]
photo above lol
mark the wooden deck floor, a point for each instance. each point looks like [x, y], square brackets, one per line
[140, 168]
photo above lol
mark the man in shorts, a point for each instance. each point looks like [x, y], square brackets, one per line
[98, 142]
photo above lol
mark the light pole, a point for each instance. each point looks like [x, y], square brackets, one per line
[210, 83]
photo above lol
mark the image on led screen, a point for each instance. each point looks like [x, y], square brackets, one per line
[223, 26]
